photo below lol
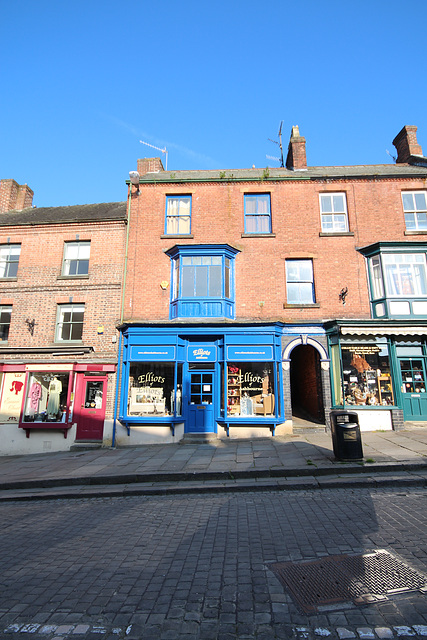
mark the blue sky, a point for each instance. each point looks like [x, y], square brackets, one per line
[84, 81]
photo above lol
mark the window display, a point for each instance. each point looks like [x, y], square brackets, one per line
[46, 397]
[152, 389]
[367, 375]
[250, 389]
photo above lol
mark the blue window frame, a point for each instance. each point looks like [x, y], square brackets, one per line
[178, 215]
[202, 281]
[300, 282]
[257, 213]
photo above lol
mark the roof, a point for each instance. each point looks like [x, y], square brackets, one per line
[401, 170]
[106, 211]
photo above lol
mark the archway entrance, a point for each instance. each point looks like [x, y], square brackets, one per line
[306, 384]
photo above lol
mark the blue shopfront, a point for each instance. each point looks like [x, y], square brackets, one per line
[201, 377]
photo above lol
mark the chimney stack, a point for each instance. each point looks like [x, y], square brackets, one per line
[14, 195]
[406, 144]
[149, 165]
[296, 158]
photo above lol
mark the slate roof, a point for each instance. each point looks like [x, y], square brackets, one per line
[271, 173]
[60, 215]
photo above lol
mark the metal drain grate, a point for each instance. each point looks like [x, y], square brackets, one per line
[341, 578]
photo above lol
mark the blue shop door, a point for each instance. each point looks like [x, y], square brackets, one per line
[413, 389]
[201, 407]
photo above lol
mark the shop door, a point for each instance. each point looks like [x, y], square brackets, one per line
[414, 395]
[201, 407]
[91, 395]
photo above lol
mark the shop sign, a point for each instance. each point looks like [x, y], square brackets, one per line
[201, 353]
[152, 354]
[250, 354]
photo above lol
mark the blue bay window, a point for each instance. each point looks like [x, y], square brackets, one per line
[202, 281]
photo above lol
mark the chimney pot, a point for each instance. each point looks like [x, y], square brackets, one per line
[14, 196]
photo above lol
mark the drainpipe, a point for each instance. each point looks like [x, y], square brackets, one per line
[134, 176]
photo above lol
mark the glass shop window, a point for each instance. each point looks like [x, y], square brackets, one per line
[366, 375]
[152, 389]
[46, 399]
[250, 389]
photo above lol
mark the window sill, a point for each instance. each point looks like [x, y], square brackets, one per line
[416, 232]
[316, 305]
[82, 277]
[324, 234]
[258, 235]
[14, 279]
[176, 235]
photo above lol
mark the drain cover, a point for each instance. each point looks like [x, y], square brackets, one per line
[341, 578]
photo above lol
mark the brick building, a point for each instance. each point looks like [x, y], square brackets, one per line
[257, 298]
[61, 272]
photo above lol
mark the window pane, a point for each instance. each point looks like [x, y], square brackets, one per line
[250, 389]
[215, 281]
[201, 282]
[46, 397]
[326, 204]
[251, 204]
[151, 390]
[187, 281]
[338, 202]
[410, 220]
[408, 202]
[421, 220]
[420, 201]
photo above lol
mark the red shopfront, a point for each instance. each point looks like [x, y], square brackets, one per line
[40, 397]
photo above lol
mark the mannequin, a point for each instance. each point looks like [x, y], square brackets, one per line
[55, 388]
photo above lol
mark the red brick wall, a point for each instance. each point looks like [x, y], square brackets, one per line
[375, 213]
[39, 286]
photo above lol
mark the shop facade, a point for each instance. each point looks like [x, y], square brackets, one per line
[219, 379]
[379, 369]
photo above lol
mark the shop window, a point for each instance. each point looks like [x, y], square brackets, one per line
[178, 215]
[257, 213]
[202, 281]
[5, 316]
[415, 209]
[9, 260]
[69, 326]
[152, 390]
[300, 282]
[250, 389]
[333, 211]
[367, 375]
[76, 259]
[46, 399]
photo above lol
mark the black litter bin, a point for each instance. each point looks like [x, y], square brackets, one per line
[346, 438]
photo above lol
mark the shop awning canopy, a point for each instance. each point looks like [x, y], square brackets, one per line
[383, 331]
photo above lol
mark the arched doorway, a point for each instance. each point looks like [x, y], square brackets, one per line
[306, 384]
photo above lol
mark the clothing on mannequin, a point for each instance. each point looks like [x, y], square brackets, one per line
[55, 388]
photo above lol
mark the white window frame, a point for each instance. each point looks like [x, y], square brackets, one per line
[300, 283]
[6, 263]
[82, 255]
[178, 215]
[61, 323]
[335, 220]
[415, 215]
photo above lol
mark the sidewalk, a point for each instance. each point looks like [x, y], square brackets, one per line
[289, 462]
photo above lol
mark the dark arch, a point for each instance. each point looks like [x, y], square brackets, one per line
[306, 384]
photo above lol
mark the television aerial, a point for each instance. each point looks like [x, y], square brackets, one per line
[280, 146]
[158, 149]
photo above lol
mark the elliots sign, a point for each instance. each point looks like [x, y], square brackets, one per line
[201, 353]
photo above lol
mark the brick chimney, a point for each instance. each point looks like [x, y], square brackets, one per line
[406, 144]
[14, 195]
[296, 158]
[149, 165]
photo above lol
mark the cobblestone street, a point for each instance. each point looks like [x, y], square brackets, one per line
[189, 567]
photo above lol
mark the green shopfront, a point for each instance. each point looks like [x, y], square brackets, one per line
[379, 369]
